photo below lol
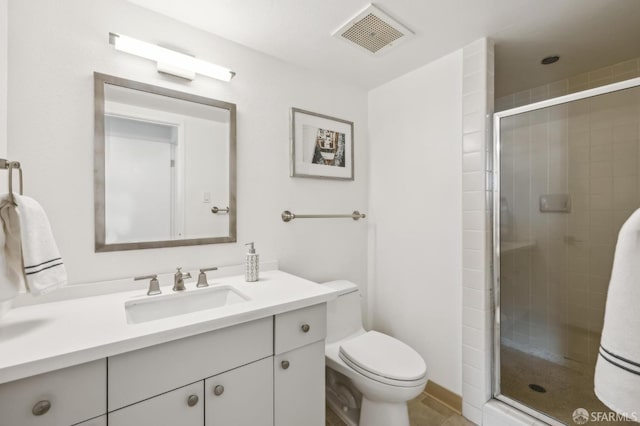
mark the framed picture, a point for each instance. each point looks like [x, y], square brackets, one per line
[321, 146]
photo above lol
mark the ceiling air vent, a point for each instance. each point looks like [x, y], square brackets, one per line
[373, 31]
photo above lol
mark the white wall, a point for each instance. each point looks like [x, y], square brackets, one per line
[415, 132]
[4, 34]
[54, 49]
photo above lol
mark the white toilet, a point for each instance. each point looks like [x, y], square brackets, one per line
[385, 371]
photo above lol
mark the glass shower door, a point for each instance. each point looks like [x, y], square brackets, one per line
[568, 180]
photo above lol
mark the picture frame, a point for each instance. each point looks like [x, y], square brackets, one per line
[321, 146]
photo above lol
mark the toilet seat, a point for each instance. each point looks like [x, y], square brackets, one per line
[384, 359]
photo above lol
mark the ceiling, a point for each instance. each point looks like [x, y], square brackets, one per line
[587, 34]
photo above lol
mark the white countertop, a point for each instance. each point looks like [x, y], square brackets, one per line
[39, 338]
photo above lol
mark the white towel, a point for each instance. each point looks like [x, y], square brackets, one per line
[31, 250]
[617, 376]
[9, 280]
[11, 273]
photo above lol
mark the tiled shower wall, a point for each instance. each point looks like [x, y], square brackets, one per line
[588, 80]
[554, 288]
[477, 91]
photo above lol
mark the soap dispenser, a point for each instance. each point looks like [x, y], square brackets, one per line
[252, 268]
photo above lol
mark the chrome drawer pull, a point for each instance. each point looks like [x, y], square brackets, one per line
[284, 364]
[41, 407]
[192, 400]
[305, 328]
[218, 390]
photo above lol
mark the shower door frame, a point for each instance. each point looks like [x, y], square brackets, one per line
[589, 93]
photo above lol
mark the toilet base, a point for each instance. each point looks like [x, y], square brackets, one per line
[377, 413]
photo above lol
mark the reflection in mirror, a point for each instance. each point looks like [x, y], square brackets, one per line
[165, 167]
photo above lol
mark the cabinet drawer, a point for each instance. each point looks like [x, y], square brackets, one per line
[98, 421]
[137, 375]
[300, 327]
[74, 394]
[183, 406]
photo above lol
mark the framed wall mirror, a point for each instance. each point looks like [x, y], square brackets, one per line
[165, 167]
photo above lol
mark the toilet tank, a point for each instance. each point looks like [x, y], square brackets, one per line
[344, 314]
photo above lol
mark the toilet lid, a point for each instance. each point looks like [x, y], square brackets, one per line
[384, 356]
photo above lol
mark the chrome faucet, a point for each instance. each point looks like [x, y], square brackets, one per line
[202, 277]
[154, 285]
[178, 280]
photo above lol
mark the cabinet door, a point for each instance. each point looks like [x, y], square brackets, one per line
[98, 421]
[183, 406]
[241, 397]
[299, 386]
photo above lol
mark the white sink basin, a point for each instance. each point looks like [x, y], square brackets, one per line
[178, 303]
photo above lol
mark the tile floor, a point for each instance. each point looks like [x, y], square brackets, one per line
[423, 411]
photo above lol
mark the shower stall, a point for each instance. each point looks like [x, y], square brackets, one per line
[567, 176]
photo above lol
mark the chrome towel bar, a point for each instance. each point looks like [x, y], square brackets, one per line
[287, 216]
[216, 210]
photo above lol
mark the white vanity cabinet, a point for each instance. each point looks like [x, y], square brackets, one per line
[299, 367]
[59, 398]
[267, 372]
[263, 372]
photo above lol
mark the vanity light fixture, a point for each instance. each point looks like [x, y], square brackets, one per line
[169, 61]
